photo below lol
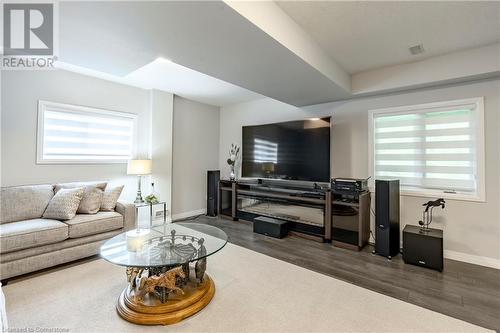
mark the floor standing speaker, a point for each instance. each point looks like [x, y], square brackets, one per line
[213, 177]
[387, 217]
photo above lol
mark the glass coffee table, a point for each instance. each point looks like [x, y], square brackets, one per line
[165, 268]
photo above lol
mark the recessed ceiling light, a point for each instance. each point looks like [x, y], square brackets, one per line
[165, 60]
[417, 49]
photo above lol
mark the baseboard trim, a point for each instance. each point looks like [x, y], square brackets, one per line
[472, 259]
[454, 255]
[468, 258]
[185, 215]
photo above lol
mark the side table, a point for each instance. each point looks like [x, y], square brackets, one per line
[150, 205]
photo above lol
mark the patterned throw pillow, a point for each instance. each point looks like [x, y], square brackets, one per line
[64, 204]
[92, 197]
[110, 198]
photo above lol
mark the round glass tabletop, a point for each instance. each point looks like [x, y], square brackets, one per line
[170, 244]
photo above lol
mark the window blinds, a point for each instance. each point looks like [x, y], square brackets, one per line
[265, 151]
[86, 136]
[428, 148]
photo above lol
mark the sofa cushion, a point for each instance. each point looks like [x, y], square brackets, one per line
[29, 233]
[110, 198]
[70, 242]
[64, 204]
[92, 197]
[85, 224]
[24, 202]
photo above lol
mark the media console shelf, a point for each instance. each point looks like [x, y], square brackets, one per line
[351, 219]
[227, 199]
[304, 209]
[318, 214]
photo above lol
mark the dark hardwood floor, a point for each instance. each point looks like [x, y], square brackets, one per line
[464, 291]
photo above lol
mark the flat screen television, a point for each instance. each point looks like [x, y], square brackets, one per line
[292, 150]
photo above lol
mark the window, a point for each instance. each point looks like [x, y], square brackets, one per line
[434, 149]
[265, 151]
[77, 134]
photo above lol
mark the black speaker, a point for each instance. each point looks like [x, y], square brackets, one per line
[270, 227]
[213, 177]
[423, 247]
[387, 217]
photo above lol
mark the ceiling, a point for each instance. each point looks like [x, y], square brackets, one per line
[206, 36]
[298, 52]
[162, 74]
[367, 35]
[165, 75]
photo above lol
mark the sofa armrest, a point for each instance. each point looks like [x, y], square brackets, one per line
[128, 212]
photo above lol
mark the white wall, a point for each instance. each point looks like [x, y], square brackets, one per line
[471, 229]
[161, 130]
[196, 150]
[196, 135]
[21, 91]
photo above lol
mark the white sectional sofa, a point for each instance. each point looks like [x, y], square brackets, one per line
[29, 242]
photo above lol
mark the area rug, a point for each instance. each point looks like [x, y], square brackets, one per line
[255, 293]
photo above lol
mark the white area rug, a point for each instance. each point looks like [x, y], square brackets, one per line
[255, 293]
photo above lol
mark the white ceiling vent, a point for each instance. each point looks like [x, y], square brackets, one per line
[417, 49]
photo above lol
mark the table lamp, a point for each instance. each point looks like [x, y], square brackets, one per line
[268, 168]
[139, 168]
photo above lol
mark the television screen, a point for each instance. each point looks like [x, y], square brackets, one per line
[293, 150]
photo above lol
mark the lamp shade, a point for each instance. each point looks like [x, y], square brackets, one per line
[139, 167]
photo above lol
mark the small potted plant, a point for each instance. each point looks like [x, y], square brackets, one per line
[231, 161]
[154, 197]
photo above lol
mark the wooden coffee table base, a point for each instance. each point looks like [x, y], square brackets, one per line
[178, 307]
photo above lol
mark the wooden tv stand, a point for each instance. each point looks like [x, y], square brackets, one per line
[313, 210]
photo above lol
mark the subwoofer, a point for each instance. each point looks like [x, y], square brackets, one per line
[213, 177]
[387, 218]
[423, 247]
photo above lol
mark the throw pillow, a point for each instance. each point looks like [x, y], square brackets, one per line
[110, 198]
[92, 197]
[64, 204]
